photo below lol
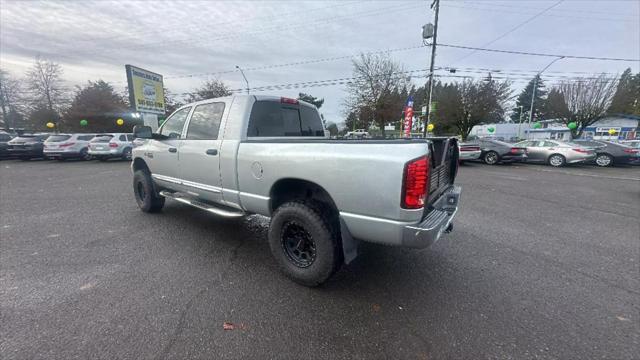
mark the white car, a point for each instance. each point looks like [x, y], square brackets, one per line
[358, 133]
[113, 145]
[67, 146]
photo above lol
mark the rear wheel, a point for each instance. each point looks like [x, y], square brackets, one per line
[491, 158]
[126, 154]
[304, 243]
[604, 160]
[557, 160]
[146, 197]
[84, 155]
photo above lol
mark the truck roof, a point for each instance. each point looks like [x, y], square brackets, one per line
[256, 97]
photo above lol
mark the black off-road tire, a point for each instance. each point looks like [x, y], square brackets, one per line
[316, 222]
[146, 196]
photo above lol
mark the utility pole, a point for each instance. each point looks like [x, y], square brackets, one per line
[435, 3]
[245, 78]
[520, 122]
[535, 86]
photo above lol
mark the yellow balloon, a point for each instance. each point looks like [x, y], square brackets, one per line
[612, 131]
[120, 122]
[430, 127]
[51, 125]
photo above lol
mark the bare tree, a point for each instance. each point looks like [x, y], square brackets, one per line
[46, 85]
[209, 89]
[583, 101]
[10, 99]
[376, 80]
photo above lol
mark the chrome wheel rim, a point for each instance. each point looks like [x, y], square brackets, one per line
[603, 160]
[491, 158]
[556, 160]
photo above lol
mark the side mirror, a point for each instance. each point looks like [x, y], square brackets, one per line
[142, 132]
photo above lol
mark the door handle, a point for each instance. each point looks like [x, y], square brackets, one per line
[173, 150]
[212, 152]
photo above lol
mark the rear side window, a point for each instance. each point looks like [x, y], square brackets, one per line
[205, 122]
[122, 138]
[271, 118]
[173, 126]
[129, 137]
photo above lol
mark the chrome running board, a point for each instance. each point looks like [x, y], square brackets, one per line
[201, 205]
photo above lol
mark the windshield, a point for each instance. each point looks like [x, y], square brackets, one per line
[102, 138]
[58, 138]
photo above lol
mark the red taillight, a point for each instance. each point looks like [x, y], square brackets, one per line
[113, 145]
[285, 100]
[584, 151]
[414, 187]
[67, 144]
[516, 150]
[631, 151]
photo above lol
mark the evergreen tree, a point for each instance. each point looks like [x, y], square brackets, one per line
[524, 100]
[627, 97]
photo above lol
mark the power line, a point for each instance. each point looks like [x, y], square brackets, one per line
[519, 6]
[538, 54]
[530, 19]
[483, 7]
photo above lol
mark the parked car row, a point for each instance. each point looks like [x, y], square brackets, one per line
[67, 146]
[553, 152]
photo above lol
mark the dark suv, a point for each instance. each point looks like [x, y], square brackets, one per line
[4, 147]
[26, 147]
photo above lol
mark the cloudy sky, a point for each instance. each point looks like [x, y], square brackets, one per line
[283, 42]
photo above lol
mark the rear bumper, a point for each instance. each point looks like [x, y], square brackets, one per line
[438, 222]
[114, 152]
[25, 152]
[413, 234]
[470, 155]
[61, 154]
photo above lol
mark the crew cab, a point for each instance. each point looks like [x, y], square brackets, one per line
[267, 155]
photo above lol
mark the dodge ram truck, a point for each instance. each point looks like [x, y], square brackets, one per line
[246, 154]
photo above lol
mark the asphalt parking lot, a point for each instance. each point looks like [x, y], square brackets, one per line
[542, 263]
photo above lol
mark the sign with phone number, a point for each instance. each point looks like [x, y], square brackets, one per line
[146, 90]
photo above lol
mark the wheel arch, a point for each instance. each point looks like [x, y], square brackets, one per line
[139, 164]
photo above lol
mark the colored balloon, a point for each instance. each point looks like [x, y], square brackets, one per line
[430, 127]
[84, 122]
[612, 131]
[120, 122]
[572, 125]
[537, 125]
[51, 125]
[491, 129]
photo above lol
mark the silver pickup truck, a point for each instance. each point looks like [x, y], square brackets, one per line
[267, 155]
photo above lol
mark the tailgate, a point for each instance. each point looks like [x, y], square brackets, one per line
[443, 168]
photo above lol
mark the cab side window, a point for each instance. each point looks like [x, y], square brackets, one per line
[172, 127]
[205, 122]
[122, 138]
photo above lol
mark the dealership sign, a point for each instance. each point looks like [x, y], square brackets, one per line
[146, 90]
[408, 117]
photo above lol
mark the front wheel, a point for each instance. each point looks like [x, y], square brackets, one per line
[491, 158]
[604, 160]
[148, 200]
[304, 243]
[84, 155]
[557, 160]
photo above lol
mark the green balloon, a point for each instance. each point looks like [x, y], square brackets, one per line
[84, 122]
[572, 125]
[491, 129]
[537, 125]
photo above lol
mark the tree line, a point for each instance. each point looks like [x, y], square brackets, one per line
[380, 88]
[376, 96]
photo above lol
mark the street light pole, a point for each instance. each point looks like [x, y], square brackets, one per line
[245, 78]
[435, 3]
[535, 86]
